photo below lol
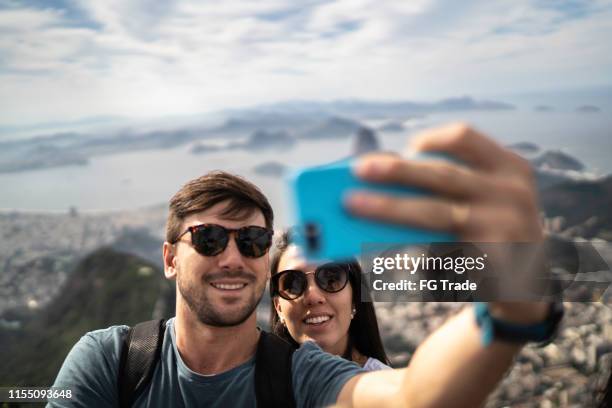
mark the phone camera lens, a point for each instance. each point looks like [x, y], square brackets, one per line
[312, 236]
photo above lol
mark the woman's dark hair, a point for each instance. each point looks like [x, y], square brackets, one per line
[606, 397]
[363, 330]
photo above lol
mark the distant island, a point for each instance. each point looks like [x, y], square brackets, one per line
[259, 140]
[274, 126]
[392, 127]
[354, 107]
[525, 148]
[333, 127]
[588, 109]
[271, 168]
[200, 148]
[543, 108]
[263, 139]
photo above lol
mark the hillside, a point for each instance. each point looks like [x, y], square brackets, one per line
[582, 207]
[106, 288]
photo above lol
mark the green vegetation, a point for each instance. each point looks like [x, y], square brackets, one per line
[105, 289]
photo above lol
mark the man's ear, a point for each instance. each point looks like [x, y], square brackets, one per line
[169, 261]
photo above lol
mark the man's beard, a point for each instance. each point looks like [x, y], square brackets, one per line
[210, 313]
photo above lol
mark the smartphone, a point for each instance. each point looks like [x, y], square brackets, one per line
[325, 230]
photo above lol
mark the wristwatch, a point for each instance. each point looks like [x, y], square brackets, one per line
[497, 329]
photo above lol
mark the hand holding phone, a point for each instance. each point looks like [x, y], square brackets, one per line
[326, 230]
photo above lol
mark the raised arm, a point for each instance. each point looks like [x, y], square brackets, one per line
[492, 199]
[451, 368]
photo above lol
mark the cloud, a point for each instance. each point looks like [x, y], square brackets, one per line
[145, 58]
[28, 19]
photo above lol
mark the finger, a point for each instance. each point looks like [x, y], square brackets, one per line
[451, 180]
[463, 142]
[477, 223]
[502, 224]
[436, 176]
[429, 213]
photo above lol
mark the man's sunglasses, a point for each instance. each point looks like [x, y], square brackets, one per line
[212, 239]
[291, 284]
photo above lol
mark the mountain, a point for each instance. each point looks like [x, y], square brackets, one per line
[584, 206]
[365, 141]
[259, 140]
[552, 167]
[556, 159]
[64, 149]
[88, 121]
[354, 107]
[141, 243]
[42, 157]
[106, 288]
[308, 119]
[262, 139]
[247, 120]
[525, 148]
[335, 127]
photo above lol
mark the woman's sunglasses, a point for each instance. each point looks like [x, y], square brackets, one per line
[212, 239]
[291, 284]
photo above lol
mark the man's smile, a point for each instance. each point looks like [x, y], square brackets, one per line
[227, 286]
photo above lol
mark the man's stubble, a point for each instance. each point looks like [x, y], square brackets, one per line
[194, 294]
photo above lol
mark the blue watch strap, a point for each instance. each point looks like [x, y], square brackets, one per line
[492, 328]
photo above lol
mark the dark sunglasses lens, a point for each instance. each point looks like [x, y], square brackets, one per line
[331, 277]
[209, 240]
[291, 284]
[253, 242]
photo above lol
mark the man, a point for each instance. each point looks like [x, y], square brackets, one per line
[208, 350]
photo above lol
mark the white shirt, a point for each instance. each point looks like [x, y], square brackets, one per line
[374, 365]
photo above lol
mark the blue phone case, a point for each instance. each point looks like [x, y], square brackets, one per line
[326, 231]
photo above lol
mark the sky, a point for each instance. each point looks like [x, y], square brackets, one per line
[70, 59]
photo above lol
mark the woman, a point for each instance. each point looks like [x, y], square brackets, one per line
[323, 303]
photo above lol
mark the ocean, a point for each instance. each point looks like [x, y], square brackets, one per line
[144, 178]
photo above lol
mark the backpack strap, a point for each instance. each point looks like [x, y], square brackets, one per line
[139, 355]
[273, 379]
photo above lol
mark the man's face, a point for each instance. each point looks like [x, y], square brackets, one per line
[221, 290]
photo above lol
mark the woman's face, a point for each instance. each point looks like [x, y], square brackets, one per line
[315, 315]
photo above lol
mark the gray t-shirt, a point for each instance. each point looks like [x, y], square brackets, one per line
[90, 371]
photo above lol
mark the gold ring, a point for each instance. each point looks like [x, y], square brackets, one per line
[460, 214]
